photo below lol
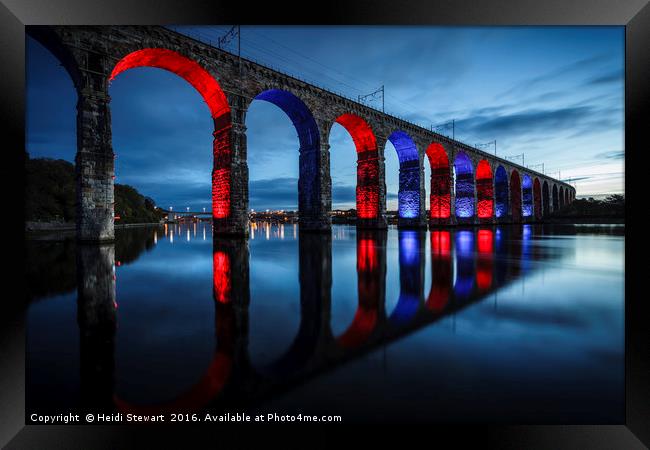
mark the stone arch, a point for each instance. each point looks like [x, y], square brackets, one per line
[566, 196]
[214, 97]
[561, 197]
[537, 199]
[546, 199]
[515, 196]
[440, 195]
[556, 203]
[464, 185]
[45, 36]
[309, 178]
[484, 190]
[367, 191]
[527, 196]
[501, 192]
[409, 174]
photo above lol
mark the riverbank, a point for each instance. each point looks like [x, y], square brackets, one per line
[586, 220]
[60, 231]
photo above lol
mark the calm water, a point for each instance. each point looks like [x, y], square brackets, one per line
[510, 324]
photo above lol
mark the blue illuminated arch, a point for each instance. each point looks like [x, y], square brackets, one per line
[501, 192]
[409, 174]
[527, 196]
[309, 201]
[464, 185]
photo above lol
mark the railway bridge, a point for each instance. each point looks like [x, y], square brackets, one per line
[467, 185]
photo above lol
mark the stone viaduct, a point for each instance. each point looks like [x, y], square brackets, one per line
[467, 185]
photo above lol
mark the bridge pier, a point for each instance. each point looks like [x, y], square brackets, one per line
[230, 172]
[314, 207]
[94, 168]
[410, 214]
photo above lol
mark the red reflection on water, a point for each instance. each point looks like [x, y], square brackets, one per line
[368, 273]
[221, 276]
[441, 271]
[211, 382]
[484, 263]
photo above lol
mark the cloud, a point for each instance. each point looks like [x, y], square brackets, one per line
[618, 154]
[613, 77]
[573, 179]
[526, 86]
[526, 122]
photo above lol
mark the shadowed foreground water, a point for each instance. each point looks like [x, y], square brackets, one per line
[517, 324]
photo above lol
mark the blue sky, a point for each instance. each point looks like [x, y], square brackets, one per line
[555, 94]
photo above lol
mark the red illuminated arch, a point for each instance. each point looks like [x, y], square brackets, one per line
[515, 196]
[440, 197]
[367, 165]
[214, 98]
[484, 190]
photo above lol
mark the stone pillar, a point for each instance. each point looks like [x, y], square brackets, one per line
[233, 159]
[452, 185]
[366, 159]
[315, 209]
[422, 215]
[96, 317]
[410, 180]
[381, 219]
[94, 168]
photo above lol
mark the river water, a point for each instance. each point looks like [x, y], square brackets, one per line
[516, 324]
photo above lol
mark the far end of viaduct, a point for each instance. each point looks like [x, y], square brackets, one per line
[467, 185]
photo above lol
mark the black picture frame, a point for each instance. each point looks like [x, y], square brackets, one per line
[15, 14]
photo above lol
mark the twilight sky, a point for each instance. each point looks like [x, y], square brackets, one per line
[555, 94]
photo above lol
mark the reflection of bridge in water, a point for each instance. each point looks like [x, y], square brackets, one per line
[466, 266]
